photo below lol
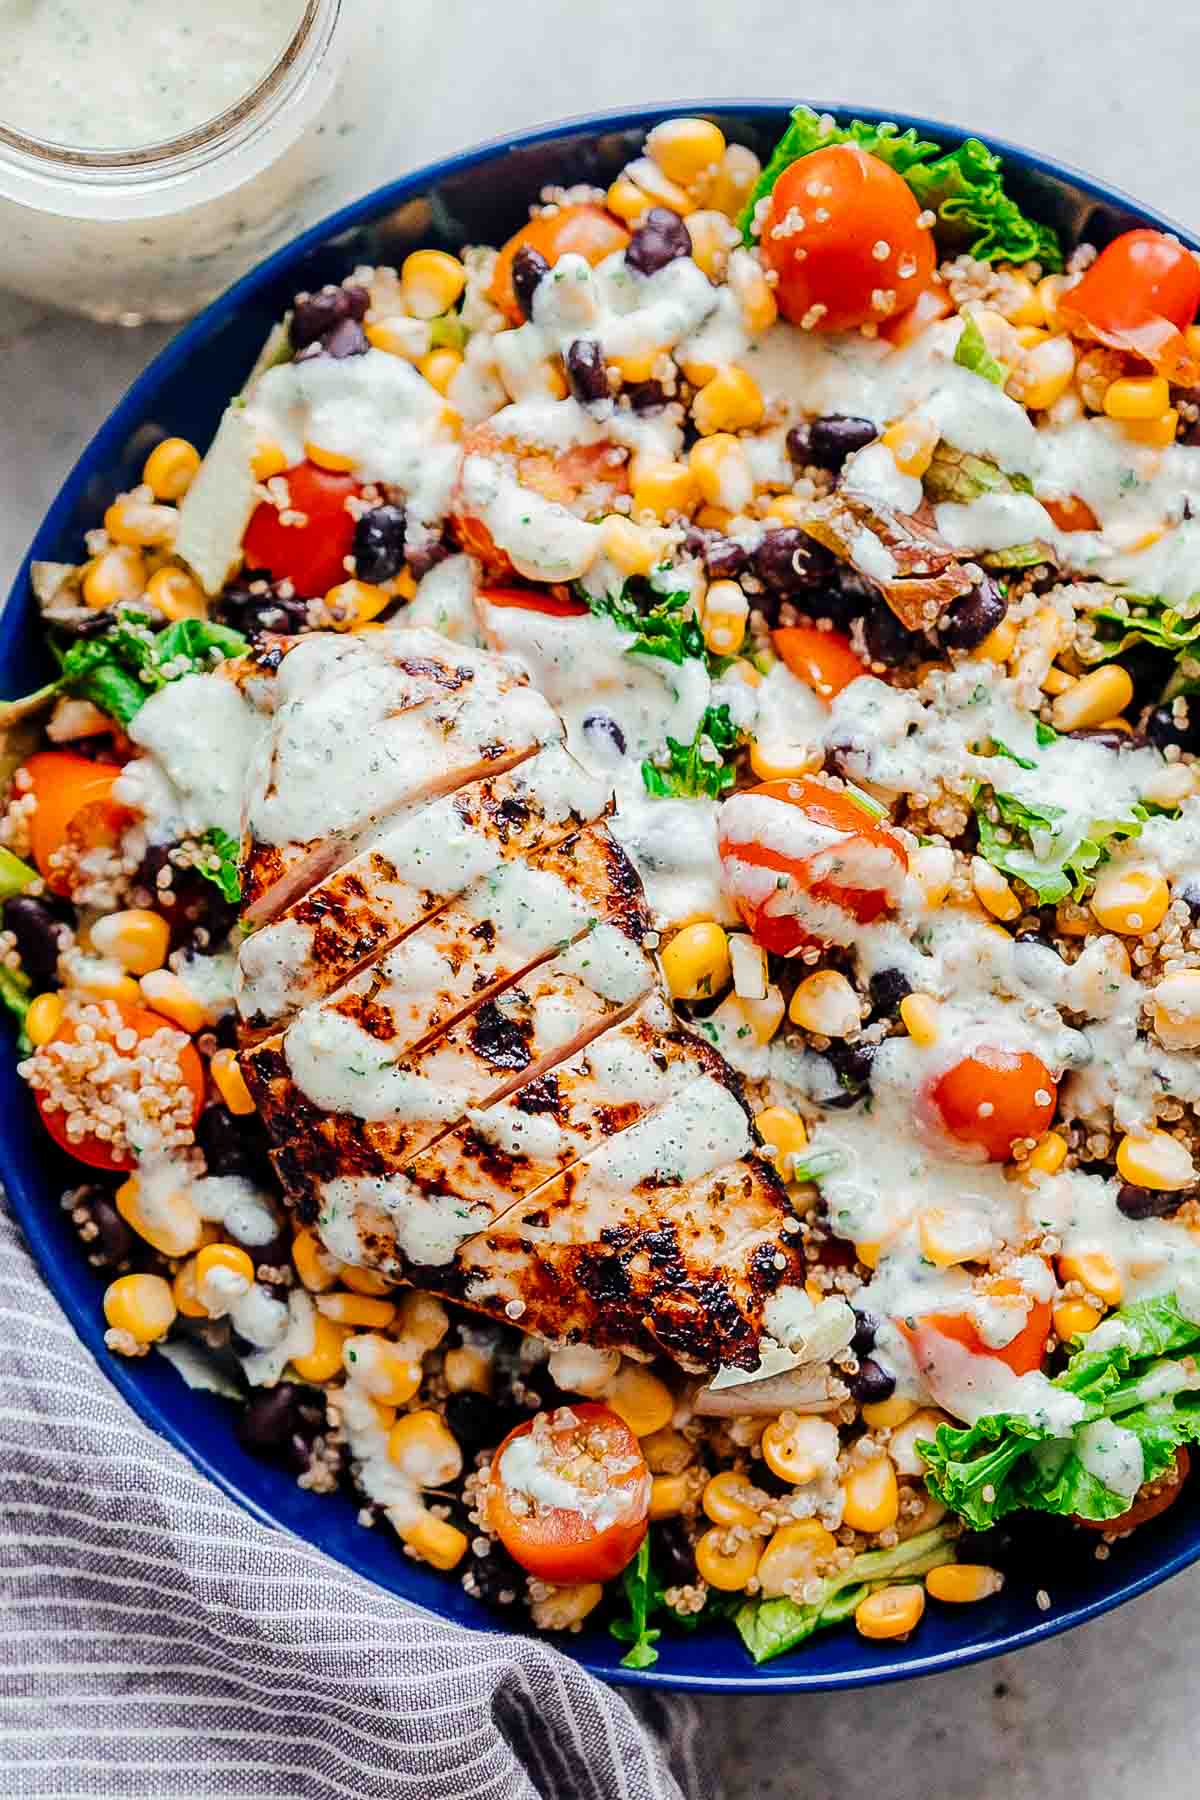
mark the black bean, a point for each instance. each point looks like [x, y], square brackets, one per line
[872, 1383]
[379, 543]
[888, 641]
[194, 907]
[1149, 1203]
[866, 1328]
[586, 371]
[225, 1144]
[788, 560]
[1112, 740]
[528, 268]
[1189, 893]
[1175, 722]
[799, 443]
[725, 559]
[674, 1557]
[112, 1242]
[604, 732]
[851, 1062]
[346, 339]
[258, 612]
[266, 1424]
[475, 1420]
[974, 616]
[37, 932]
[835, 436]
[661, 237]
[1150, 669]
[888, 988]
[647, 396]
[494, 1577]
[317, 314]
[427, 556]
[358, 301]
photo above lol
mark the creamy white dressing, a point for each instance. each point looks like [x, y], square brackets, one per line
[427, 1228]
[524, 1470]
[201, 735]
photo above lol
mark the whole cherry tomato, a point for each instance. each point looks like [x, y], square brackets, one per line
[96, 1152]
[832, 863]
[311, 556]
[994, 1096]
[556, 1528]
[1140, 295]
[74, 805]
[583, 230]
[842, 234]
[823, 660]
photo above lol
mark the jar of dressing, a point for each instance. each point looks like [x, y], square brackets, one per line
[151, 154]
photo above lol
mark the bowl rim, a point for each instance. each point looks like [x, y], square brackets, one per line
[28, 1208]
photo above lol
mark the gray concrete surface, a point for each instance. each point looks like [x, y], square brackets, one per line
[1108, 1711]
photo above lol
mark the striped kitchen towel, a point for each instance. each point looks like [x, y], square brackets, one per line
[157, 1643]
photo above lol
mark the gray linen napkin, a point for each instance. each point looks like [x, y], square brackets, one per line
[157, 1643]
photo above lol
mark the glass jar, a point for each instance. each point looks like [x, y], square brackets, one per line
[154, 231]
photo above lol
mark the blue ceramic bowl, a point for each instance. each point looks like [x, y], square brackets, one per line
[481, 197]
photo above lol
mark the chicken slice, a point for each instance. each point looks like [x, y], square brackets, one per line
[357, 738]
[405, 874]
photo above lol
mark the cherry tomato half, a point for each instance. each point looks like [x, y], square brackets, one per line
[556, 602]
[995, 1096]
[74, 804]
[1023, 1353]
[853, 868]
[570, 1543]
[823, 660]
[1150, 1500]
[841, 233]
[311, 556]
[1140, 295]
[559, 477]
[1072, 514]
[584, 230]
[96, 1152]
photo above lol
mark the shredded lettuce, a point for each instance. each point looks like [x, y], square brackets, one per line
[1014, 842]
[1140, 618]
[769, 1627]
[959, 475]
[646, 1598]
[15, 875]
[1018, 556]
[972, 353]
[701, 766]
[964, 187]
[1142, 1378]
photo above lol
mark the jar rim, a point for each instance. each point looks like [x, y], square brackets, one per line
[144, 166]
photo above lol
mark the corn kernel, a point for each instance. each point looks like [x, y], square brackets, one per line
[753, 292]
[562, 1608]
[1050, 290]
[184, 1292]
[960, 1584]
[657, 186]
[118, 575]
[872, 1496]
[142, 1305]
[994, 891]
[713, 237]
[354, 603]
[440, 367]
[952, 1237]
[1156, 433]
[736, 174]
[1057, 681]
[171, 468]
[727, 1569]
[165, 993]
[435, 1541]
[173, 1227]
[1176, 1010]
[888, 1415]
[230, 1258]
[1074, 1318]
[932, 866]
[868, 1253]
[784, 1137]
[268, 460]
[422, 1447]
[890, 1612]
[797, 1552]
[1097, 696]
[788, 509]
[314, 1265]
[722, 471]
[365, 1281]
[912, 443]
[669, 1494]
[334, 460]
[773, 759]
[1130, 901]
[824, 1002]
[686, 149]
[636, 365]
[726, 610]
[1020, 302]
[641, 1399]
[467, 1370]
[1137, 397]
[98, 983]
[140, 524]
[324, 1360]
[731, 401]
[386, 1370]
[1154, 1159]
[1098, 1273]
[176, 595]
[725, 1500]
[230, 1083]
[137, 939]
[1170, 785]
[799, 1448]
[1050, 1154]
[632, 548]
[431, 282]
[665, 490]
[696, 962]
[919, 1013]
[359, 1310]
[627, 200]
[1043, 373]
[408, 339]
[43, 1019]
[423, 1320]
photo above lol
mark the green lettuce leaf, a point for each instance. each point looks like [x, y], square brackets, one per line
[660, 623]
[224, 873]
[964, 187]
[958, 475]
[692, 768]
[1140, 618]
[1018, 556]
[120, 669]
[769, 1627]
[15, 995]
[1135, 1381]
[15, 875]
[1069, 866]
[972, 352]
[643, 1594]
